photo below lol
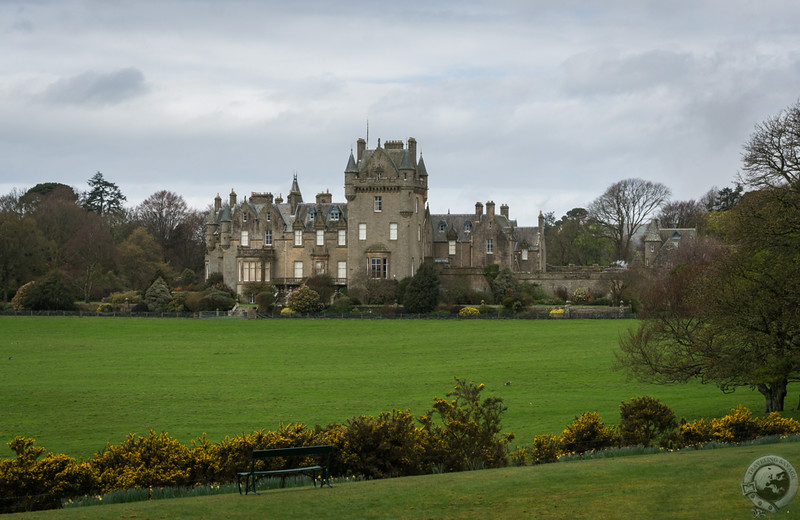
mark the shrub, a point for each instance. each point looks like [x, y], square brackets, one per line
[127, 297]
[467, 434]
[587, 433]
[155, 460]
[324, 286]
[157, 296]
[546, 448]
[422, 293]
[389, 445]
[342, 305]
[644, 420]
[774, 424]
[737, 426]
[579, 296]
[22, 298]
[695, 433]
[467, 312]
[504, 285]
[50, 293]
[266, 301]
[304, 300]
[210, 300]
[29, 483]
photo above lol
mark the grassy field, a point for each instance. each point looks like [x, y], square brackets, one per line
[683, 485]
[75, 384]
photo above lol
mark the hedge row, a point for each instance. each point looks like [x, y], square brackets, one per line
[646, 422]
[460, 432]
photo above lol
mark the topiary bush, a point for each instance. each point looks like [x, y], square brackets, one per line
[645, 420]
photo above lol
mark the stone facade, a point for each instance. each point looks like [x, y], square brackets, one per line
[659, 242]
[384, 230]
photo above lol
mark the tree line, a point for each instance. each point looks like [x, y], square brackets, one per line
[95, 243]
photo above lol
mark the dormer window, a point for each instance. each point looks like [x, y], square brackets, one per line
[334, 214]
[311, 214]
[467, 226]
[244, 217]
[442, 225]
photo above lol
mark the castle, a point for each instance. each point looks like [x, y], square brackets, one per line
[384, 230]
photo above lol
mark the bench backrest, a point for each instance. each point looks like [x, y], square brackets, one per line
[299, 451]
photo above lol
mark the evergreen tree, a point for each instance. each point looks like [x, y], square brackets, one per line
[104, 197]
[422, 293]
[157, 296]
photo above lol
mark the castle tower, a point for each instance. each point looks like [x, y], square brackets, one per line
[386, 191]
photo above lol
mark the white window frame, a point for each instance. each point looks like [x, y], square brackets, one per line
[377, 204]
[392, 230]
[451, 247]
[524, 254]
[341, 270]
[320, 237]
[245, 241]
[268, 237]
[362, 231]
[298, 268]
[298, 237]
[319, 267]
[342, 237]
[489, 246]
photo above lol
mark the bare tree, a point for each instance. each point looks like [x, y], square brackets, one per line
[682, 214]
[623, 208]
[771, 156]
[161, 214]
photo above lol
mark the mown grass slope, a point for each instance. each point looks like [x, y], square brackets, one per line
[75, 384]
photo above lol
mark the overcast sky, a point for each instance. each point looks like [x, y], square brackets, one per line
[537, 104]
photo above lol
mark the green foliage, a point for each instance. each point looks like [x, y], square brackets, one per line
[157, 296]
[103, 196]
[467, 429]
[504, 285]
[644, 420]
[127, 297]
[210, 300]
[50, 293]
[187, 278]
[214, 278]
[491, 271]
[266, 301]
[587, 433]
[422, 294]
[304, 300]
[324, 286]
[342, 305]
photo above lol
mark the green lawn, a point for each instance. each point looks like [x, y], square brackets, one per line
[683, 485]
[75, 384]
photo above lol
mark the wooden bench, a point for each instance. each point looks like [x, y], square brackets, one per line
[250, 477]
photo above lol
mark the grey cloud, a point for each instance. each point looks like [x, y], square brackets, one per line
[606, 73]
[93, 89]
